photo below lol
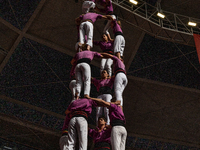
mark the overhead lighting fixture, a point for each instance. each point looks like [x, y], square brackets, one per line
[192, 24]
[134, 2]
[160, 15]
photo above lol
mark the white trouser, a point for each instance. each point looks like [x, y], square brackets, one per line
[78, 126]
[100, 110]
[63, 142]
[72, 86]
[119, 44]
[106, 64]
[86, 28]
[83, 74]
[119, 85]
[106, 28]
[118, 138]
[87, 5]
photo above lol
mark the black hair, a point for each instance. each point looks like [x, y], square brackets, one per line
[103, 117]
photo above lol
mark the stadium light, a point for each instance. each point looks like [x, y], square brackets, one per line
[160, 15]
[133, 2]
[192, 24]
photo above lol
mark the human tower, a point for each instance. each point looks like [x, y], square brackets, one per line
[110, 132]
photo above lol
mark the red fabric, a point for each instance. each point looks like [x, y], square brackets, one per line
[197, 44]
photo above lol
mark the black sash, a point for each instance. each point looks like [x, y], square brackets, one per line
[119, 70]
[118, 33]
[79, 114]
[85, 60]
[117, 123]
[102, 146]
[105, 90]
[109, 51]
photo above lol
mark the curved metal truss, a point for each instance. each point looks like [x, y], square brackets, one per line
[173, 27]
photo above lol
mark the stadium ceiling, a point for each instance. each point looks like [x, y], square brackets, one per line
[173, 27]
[36, 47]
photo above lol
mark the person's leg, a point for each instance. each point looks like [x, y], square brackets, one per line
[86, 77]
[63, 142]
[72, 135]
[87, 5]
[72, 86]
[107, 98]
[79, 81]
[115, 138]
[106, 28]
[81, 34]
[119, 86]
[102, 65]
[89, 31]
[122, 45]
[82, 129]
[108, 65]
[123, 138]
[119, 45]
[99, 111]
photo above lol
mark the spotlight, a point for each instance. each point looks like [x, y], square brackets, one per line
[133, 1]
[160, 15]
[192, 24]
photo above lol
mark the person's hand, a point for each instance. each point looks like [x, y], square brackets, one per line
[87, 96]
[118, 102]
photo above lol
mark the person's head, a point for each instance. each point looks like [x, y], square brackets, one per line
[104, 37]
[102, 121]
[104, 74]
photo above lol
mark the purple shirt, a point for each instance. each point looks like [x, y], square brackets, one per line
[103, 82]
[116, 27]
[86, 54]
[118, 64]
[103, 136]
[104, 45]
[108, 9]
[82, 104]
[115, 112]
[90, 16]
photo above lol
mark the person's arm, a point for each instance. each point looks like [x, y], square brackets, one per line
[67, 112]
[118, 102]
[78, 20]
[100, 101]
[98, 55]
[109, 37]
[106, 55]
[108, 17]
[73, 61]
